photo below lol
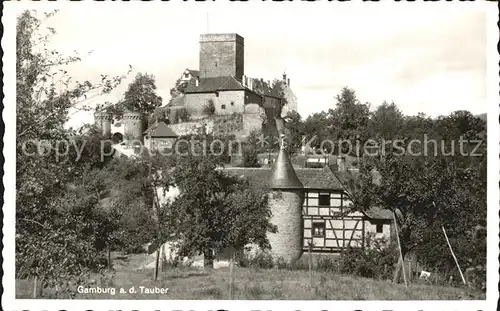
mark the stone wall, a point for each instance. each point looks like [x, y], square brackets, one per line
[286, 208]
[228, 102]
[188, 128]
[227, 125]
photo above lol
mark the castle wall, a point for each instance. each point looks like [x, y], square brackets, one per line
[233, 101]
[188, 128]
[286, 208]
[196, 102]
[253, 118]
[221, 55]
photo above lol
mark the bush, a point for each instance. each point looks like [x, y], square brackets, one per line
[261, 260]
[327, 264]
[377, 260]
[209, 108]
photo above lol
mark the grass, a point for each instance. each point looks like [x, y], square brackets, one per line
[253, 284]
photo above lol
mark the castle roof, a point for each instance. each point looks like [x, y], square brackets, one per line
[212, 84]
[283, 174]
[160, 130]
[194, 73]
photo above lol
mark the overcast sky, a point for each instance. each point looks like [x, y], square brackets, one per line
[425, 60]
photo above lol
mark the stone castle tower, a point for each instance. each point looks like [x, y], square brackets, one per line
[285, 199]
[134, 124]
[222, 55]
[103, 121]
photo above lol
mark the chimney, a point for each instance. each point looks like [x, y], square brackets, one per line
[341, 163]
[288, 82]
[284, 77]
[197, 81]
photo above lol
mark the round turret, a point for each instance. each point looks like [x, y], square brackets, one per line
[285, 200]
[134, 125]
[103, 121]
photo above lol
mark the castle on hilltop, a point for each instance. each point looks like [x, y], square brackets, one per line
[218, 98]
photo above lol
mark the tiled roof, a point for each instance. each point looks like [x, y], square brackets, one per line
[194, 73]
[213, 84]
[160, 130]
[309, 177]
[379, 213]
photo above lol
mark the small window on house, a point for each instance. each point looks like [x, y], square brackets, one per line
[186, 75]
[318, 229]
[223, 107]
[232, 103]
[324, 199]
[380, 228]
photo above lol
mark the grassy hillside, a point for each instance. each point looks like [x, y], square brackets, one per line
[252, 284]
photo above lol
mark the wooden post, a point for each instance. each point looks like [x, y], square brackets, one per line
[35, 286]
[109, 256]
[231, 274]
[309, 252]
[399, 245]
[409, 271]
[454, 257]
[157, 264]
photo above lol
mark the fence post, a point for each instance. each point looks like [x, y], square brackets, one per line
[400, 251]
[231, 275]
[309, 253]
[35, 286]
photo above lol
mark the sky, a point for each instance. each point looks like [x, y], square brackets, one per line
[431, 61]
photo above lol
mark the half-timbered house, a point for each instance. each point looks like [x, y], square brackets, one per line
[329, 224]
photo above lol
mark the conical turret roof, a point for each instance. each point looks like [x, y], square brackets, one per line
[283, 174]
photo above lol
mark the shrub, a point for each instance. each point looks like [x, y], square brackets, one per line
[327, 264]
[377, 260]
[261, 260]
[209, 108]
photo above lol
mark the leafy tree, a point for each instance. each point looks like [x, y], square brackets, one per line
[250, 150]
[209, 108]
[141, 95]
[55, 228]
[295, 130]
[316, 126]
[349, 119]
[424, 195]
[213, 210]
[386, 122]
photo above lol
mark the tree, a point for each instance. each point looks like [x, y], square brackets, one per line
[316, 126]
[425, 194]
[141, 95]
[214, 211]
[250, 150]
[386, 122]
[295, 130]
[55, 228]
[349, 119]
